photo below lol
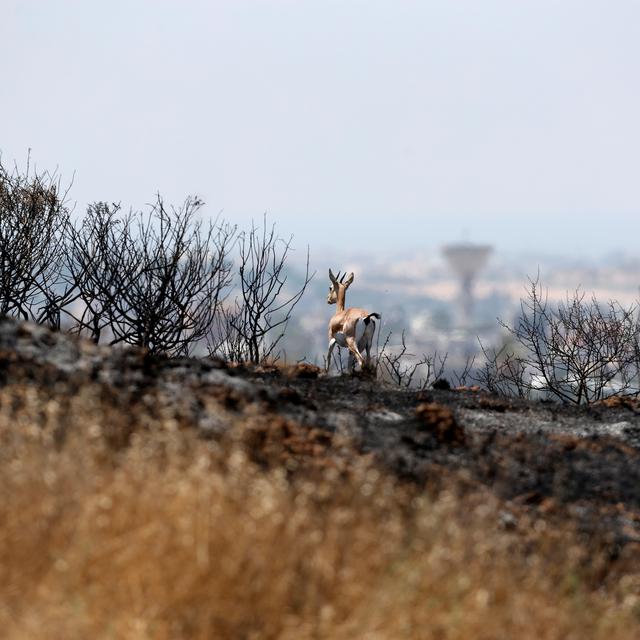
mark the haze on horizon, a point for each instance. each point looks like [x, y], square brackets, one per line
[390, 125]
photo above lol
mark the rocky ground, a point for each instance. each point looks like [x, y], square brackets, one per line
[543, 460]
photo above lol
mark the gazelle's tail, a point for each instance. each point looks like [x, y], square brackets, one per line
[370, 324]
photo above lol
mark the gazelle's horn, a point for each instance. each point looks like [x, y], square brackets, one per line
[343, 275]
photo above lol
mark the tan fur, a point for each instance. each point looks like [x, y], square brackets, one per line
[346, 321]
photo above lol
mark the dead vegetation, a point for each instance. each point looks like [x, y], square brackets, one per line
[440, 421]
[577, 351]
[176, 536]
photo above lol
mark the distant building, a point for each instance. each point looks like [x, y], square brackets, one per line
[466, 260]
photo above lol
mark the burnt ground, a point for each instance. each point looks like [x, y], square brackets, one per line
[557, 461]
[543, 460]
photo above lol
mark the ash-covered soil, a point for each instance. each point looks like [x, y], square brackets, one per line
[543, 460]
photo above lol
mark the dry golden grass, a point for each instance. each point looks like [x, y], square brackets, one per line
[172, 536]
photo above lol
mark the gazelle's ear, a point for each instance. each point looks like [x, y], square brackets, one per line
[332, 277]
[349, 279]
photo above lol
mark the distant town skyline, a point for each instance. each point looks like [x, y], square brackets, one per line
[382, 125]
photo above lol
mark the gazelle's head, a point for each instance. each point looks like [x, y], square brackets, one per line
[338, 285]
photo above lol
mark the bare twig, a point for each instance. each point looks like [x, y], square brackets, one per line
[404, 369]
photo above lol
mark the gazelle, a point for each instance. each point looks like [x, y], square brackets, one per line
[352, 328]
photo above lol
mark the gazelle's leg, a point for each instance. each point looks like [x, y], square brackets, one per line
[364, 344]
[353, 349]
[332, 344]
[370, 340]
[351, 363]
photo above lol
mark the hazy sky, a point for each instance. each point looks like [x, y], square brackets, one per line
[386, 124]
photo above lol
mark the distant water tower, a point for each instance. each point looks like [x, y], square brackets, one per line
[466, 259]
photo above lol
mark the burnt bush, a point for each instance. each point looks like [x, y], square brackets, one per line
[406, 370]
[33, 223]
[252, 327]
[577, 351]
[154, 279]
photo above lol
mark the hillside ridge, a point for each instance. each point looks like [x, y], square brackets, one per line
[579, 463]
